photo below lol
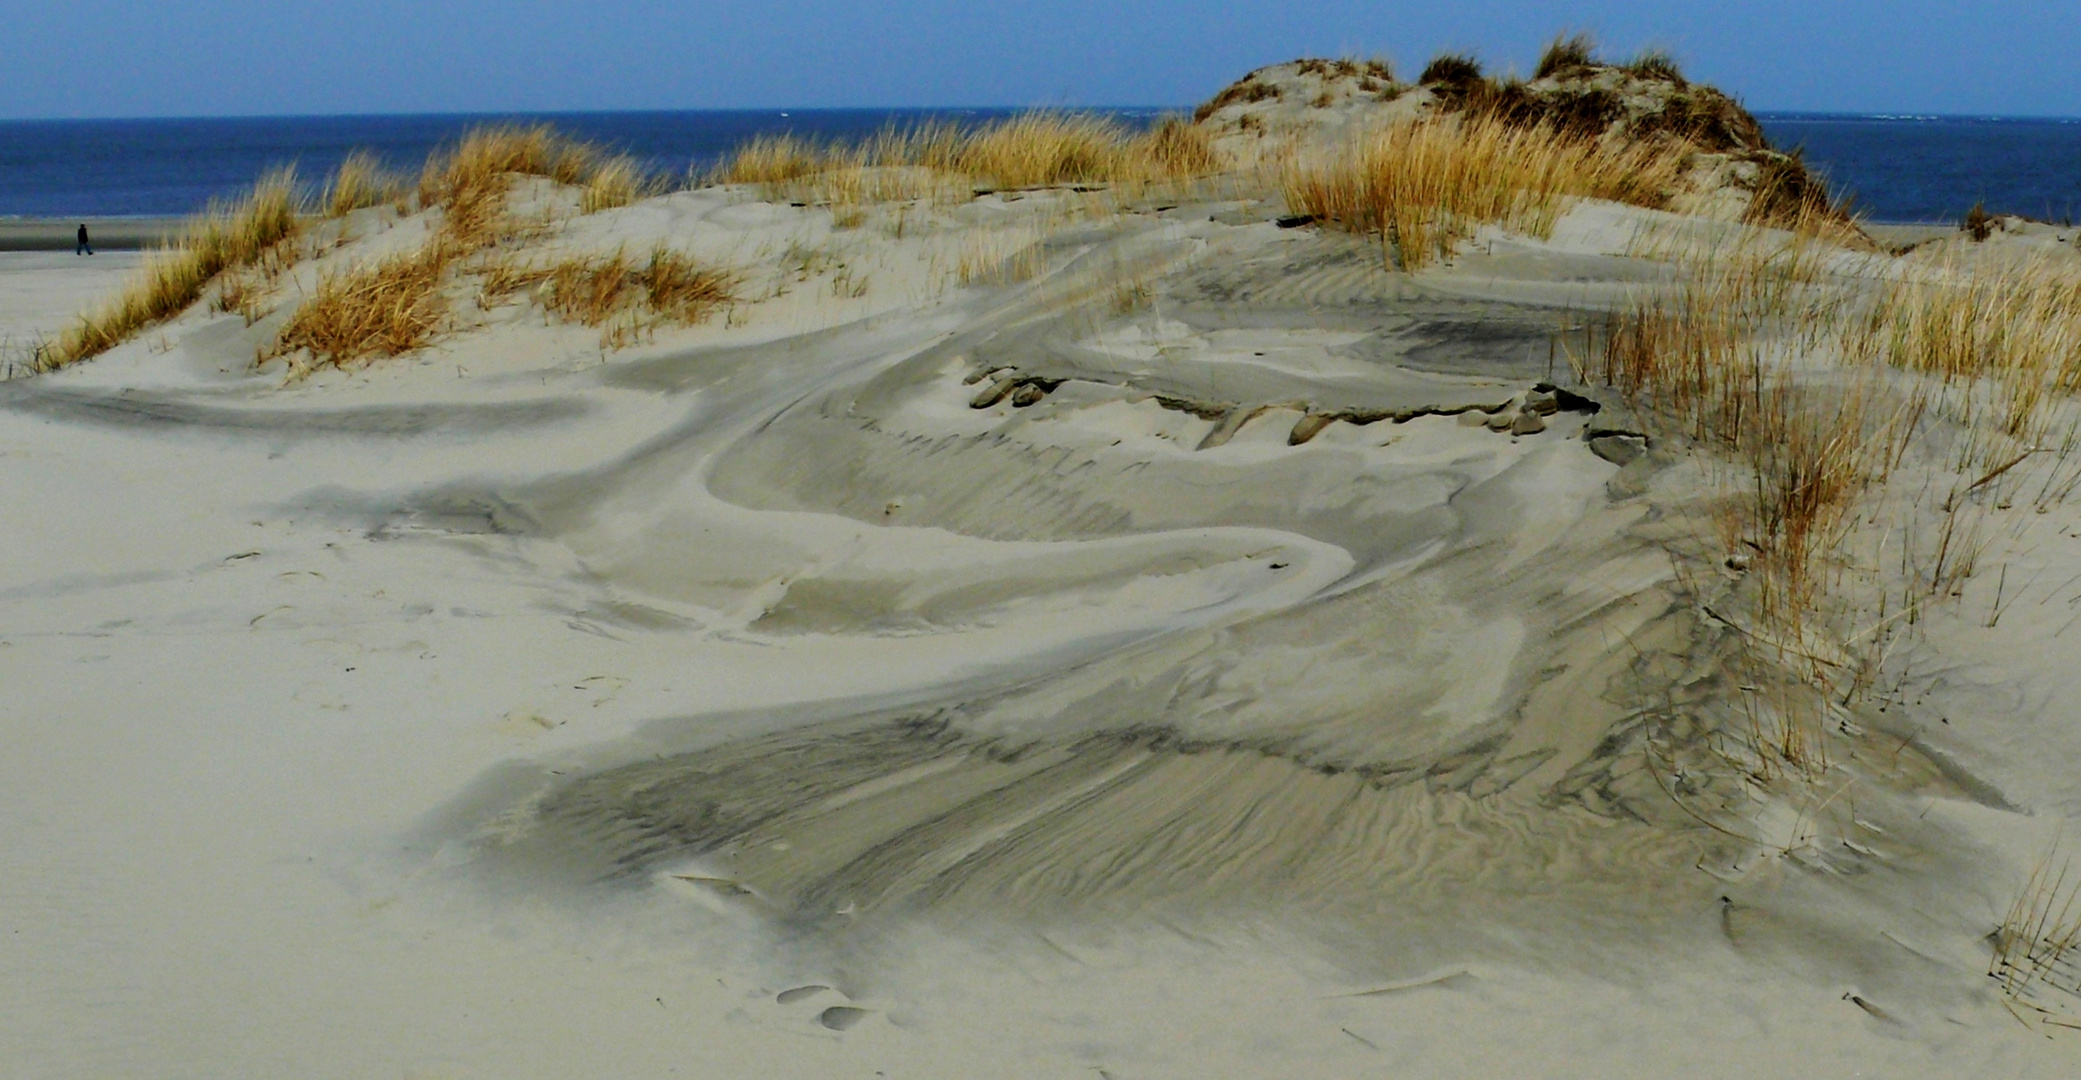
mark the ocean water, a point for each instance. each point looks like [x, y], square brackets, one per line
[1895, 168]
[1935, 168]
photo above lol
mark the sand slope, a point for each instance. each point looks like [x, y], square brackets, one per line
[1159, 667]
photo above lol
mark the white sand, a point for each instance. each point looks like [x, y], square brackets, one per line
[521, 709]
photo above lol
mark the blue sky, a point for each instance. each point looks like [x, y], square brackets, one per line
[89, 58]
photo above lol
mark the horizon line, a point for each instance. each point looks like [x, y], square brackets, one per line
[1816, 114]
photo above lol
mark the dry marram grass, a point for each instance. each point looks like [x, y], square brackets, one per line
[2017, 326]
[623, 295]
[386, 308]
[1710, 356]
[172, 278]
[617, 181]
[1421, 186]
[360, 182]
[1036, 149]
[2034, 947]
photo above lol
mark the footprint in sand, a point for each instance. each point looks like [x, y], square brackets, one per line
[795, 994]
[841, 1017]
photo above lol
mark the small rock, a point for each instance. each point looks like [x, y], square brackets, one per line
[992, 394]
[1502, 420]
[1527, 423]
[1542, 404]
[1473, 418]
[1027, 394]
[1620, 450]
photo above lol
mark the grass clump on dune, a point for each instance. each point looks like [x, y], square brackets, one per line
[1421, 186]
[1566, 55]
[245, 240]
[470, 182]
[385, 308]
[1710, 357]
[360, 182]
[1450, 69]
[626, 296]
[2017, 324]
[615, 182]
[398, 304]
[1036, 149]
[172, 278]
[1044, 148]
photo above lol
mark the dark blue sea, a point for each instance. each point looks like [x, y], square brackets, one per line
[1935, 168]
[1896, 168]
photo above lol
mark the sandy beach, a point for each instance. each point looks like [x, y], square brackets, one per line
[1087, 630]
[107, 234]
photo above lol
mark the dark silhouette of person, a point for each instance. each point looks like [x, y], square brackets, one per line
[85, 246]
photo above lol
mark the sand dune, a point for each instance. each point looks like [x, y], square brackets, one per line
[1205, 651]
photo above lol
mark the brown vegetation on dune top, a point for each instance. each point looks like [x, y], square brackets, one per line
[1249, 88]
[399, 304]
[1575, 92]
[1656, 64]
[1450, 70]
[1421, 186]
[1036, 149]
[1574, 97]
[1566, 54]
[617, 181]
[247, 245]
[360, 182]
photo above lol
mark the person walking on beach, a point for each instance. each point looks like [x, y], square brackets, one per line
[85, 246]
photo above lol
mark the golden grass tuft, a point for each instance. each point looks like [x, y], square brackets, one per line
[1035, 149]
[625, 295]
[1175, 148]
[617, 181]
[1039, 149]
[385, 308]
[2017, 324]
[360, 182]
[771, 160]
[172, 278]
[489, 154]
[470, 182]
[1424, 185]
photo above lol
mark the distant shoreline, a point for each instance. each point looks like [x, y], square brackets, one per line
[107, 233]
